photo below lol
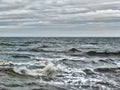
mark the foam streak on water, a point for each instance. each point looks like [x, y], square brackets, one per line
[59, 63]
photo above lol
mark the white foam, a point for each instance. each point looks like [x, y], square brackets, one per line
[88, 45]
[21, 70]
[49, 71]
[36, 63]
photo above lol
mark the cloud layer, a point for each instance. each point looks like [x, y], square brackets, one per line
[49, 13]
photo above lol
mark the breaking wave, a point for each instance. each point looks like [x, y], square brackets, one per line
[17, 68]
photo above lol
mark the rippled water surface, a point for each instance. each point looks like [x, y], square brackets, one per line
[59, 63]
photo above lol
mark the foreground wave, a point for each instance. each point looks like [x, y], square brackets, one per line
[48, 70]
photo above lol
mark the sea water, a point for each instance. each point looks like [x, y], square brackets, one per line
[59, 63]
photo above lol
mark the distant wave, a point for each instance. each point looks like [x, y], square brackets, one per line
[109, 61]
[71, 62]
[107, 69]
[42, 49]
[89, 71]
[12, 44]
[36, 50]
[105, 53]
[32, 49]
[6, 44]
[73, 50]
[32, 42]
[93, 43]
[20, 56]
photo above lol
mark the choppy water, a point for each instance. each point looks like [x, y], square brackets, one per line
[59, 63]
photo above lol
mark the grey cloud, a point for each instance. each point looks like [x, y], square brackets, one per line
[38, 12]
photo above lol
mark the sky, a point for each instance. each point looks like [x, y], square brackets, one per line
[59, 18]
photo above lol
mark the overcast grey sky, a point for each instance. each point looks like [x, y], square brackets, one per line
[60, 18]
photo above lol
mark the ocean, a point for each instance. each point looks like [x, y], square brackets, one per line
[59, 63]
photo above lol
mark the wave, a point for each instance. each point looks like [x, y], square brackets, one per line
[10, 71]
[93, 43]
[48, 71]
[12, 44]
[109, 61]
[73, 60]
[45, 46]
[34, 50]
[41, 49]
[71, 63]
[30, 63]
[32, 42]
[37, 50]
[73, 50]
[30, 49]
[107, 69]
[20, 56]
[17, 68]
[89, 71]
[6, 44]
[95, 53]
